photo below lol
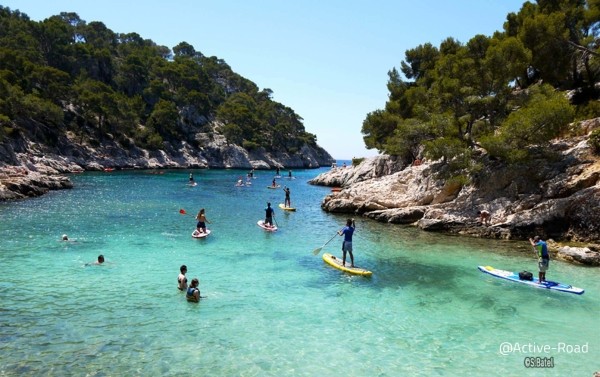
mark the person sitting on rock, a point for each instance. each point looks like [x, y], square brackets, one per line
[485, 217]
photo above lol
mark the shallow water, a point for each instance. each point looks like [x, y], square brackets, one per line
[272, 307]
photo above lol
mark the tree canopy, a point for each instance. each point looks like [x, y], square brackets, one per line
[502, 94]
[68, 74]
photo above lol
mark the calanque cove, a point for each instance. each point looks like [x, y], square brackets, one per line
[559, 201]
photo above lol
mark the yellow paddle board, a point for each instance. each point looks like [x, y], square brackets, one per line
[336, 262]
[283, 207]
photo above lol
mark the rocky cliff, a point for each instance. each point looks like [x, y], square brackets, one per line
[557, 198]
[29, 167]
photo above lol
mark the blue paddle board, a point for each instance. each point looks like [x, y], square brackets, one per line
[514, 277]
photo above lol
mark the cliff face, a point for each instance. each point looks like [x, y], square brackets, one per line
[558, 199]
[30, 167]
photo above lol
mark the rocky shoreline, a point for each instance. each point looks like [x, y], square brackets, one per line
[558, 200]
[29, 169]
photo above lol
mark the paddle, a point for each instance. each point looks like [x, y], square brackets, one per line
[318, 249]
[275, 221]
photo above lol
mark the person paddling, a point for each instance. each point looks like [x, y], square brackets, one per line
[202, 220]
[269, 215]
[347, 232]
[287, 201]
[541, 248]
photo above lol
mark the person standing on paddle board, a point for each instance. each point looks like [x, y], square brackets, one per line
[202, 220]
[541, 248]
[181, 279]
[347, 232]
[191, 179]
[289, 174]
[287, 201]
[269, 215]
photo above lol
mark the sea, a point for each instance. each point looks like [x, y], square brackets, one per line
[272, 307]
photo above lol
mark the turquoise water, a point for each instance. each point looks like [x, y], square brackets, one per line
[272, 307]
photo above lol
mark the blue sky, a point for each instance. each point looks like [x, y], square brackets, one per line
[326, 59]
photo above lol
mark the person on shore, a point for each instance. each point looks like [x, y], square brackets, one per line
[193, 292]
[485, 217]
[347, 232]
[269, 215]
[287, 201]
[202, 220]
[541, 249]
[181, 279]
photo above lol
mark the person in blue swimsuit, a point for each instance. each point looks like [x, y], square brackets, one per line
[193, 292]
[347, 232]
[541, 248]
[269, 215]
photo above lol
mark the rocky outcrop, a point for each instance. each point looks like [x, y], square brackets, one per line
[19, 183]
[555, 198]
[584, 255]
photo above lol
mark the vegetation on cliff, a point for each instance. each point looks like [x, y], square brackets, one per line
[64, 75]
[504, 94]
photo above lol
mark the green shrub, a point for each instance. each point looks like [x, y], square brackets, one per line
[594, 140]
[249, 145]
[154, 142]
[357, 161]
[588, 111]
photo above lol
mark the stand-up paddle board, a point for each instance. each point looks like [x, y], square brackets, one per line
[336, 262]
[262, 224]
[197, 234]
[514, 277]
[283, 207]
[274, 187]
